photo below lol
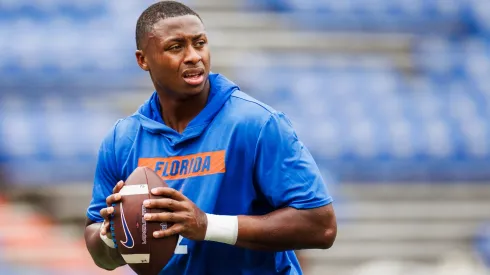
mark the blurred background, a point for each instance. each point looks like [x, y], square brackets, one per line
[391, 97]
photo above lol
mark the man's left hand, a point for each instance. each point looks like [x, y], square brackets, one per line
[188, 220]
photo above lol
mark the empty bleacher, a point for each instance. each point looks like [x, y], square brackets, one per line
[430, 91]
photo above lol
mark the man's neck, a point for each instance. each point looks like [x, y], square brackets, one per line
[178, 113]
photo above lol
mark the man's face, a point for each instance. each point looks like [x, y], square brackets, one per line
[177, 56]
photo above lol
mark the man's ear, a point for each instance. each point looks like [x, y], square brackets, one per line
[141, 59]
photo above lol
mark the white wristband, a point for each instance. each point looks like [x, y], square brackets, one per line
[222, 229]
[105, 239]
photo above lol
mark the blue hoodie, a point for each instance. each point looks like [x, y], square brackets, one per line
[238, 156]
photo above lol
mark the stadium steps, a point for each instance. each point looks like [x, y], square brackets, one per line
[413, 223]
[30, 241]
[235, 47]
[240, 36]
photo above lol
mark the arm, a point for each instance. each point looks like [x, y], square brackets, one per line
[103, 256]
[283, 229]
[288, 229]
[289, 178]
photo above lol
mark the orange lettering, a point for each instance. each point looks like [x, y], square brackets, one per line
[180, 167]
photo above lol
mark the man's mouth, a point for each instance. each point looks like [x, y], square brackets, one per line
[193, 77]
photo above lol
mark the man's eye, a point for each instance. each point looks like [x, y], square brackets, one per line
[175, 47]
[201, 43]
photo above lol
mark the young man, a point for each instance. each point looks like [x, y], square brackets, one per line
[244, 193]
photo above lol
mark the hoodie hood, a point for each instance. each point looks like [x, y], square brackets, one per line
[151, 120]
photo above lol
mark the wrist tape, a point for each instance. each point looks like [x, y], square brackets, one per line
[223, 229]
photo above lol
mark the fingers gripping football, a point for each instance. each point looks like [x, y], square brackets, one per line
[109, 210]
[188, 220]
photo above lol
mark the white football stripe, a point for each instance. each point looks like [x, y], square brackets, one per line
[134, 190]
[136, 258]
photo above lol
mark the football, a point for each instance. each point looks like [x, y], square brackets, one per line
[132, 235]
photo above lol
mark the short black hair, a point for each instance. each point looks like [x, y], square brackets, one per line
[156, 12]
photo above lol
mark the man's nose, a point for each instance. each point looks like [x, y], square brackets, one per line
[192, 55]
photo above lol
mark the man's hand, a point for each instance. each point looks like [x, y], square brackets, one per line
[188, 220]
[104, 256]
[109, 210]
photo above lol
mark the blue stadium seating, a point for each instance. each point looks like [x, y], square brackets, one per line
[57, 140]
[361, 118]
[80, 11]
[419, 16]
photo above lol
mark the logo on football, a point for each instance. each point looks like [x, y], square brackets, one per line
[129, 243]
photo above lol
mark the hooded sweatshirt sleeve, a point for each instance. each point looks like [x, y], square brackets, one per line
[106, 177]
[284, 168]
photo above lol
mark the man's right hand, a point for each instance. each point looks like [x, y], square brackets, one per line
[103, 255]
[109, 210]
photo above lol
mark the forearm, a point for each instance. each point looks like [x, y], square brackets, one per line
[103, 256]
[288, 229]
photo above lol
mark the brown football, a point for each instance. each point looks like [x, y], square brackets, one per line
[133, 235]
